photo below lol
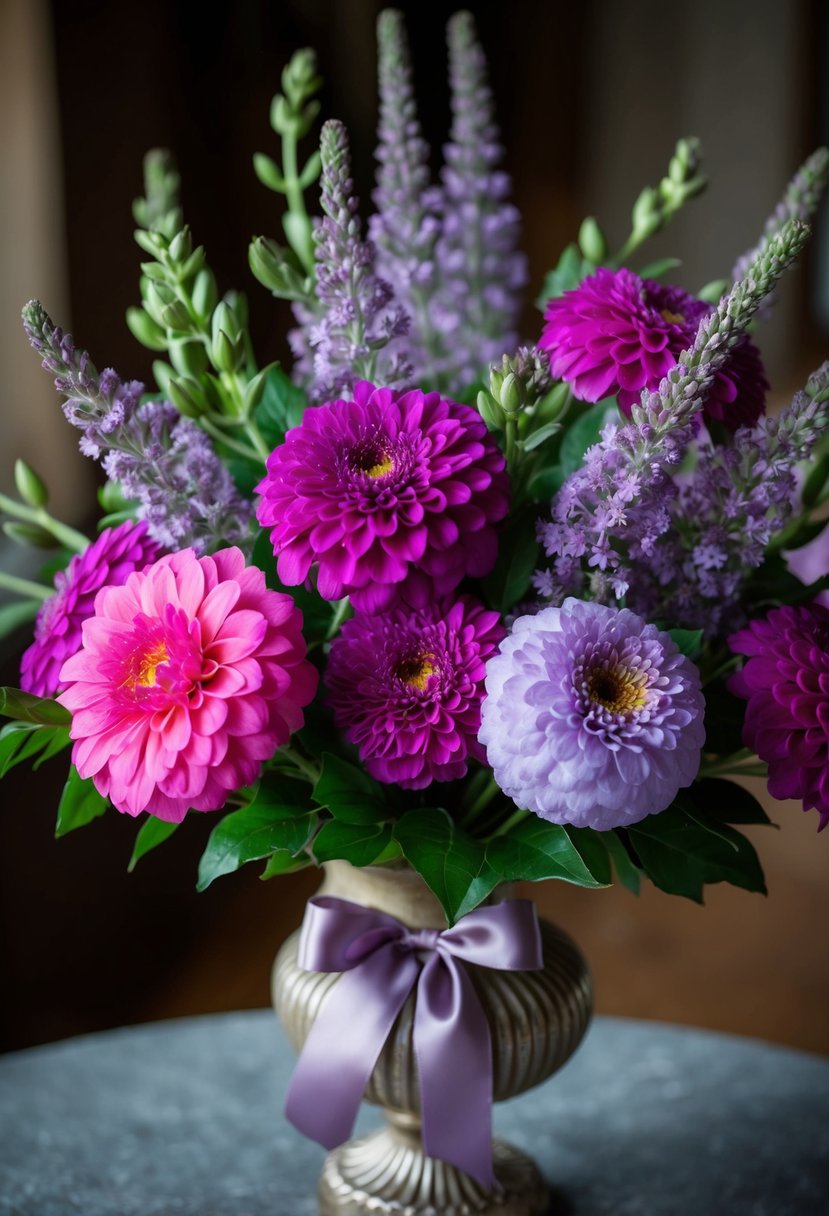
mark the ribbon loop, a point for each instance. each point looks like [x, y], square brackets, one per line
[382, 961]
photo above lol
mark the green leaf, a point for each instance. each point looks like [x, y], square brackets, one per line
[361, 844]
[590, 846]
[584, 432]
[517, 559]
[268, 172]
[681, 852]
[726, 800]
[453, 865]
[569, 272]
[13, 616]
[627, 871]
[545, 483]
[283, 862]
[21, 741]
[254, 832]
[151, 834]
[536, 438]
[80, 803]
[534, 850]
[349, 793]
[689, 641]
[655, 270]
[281, 407]
[25, 707]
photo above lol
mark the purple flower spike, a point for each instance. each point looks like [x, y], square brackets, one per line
[786, 684]
[382, 490]
[406, 686]
[592, 717]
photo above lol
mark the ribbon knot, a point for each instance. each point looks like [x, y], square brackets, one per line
[382, 961]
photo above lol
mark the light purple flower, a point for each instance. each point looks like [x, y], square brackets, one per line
[786, 684]
[382, 490]
[406, 687]
[107, 562]
[592, 717]
[811, 562]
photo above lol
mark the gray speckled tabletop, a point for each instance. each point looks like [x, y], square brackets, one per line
[184, 1118]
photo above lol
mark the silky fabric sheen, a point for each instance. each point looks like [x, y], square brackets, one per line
[382, 960]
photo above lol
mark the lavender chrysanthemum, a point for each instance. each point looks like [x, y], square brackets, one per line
[406, 687]
[786, 684]
[616, 334]
[381, 490]
[107, 562]
[592, 717]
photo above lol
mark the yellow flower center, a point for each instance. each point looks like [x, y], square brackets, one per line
[416, 672]
[381, 468]
[617, 688]
[144, 666]
[674, 318]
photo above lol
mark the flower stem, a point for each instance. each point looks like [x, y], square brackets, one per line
[25, 587]
[340, 614]
[38, 515]
[304, 766]
[509, 823]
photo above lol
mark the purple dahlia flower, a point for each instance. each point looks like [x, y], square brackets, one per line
[106, 563]
[381, 491]
[406, 687]
[786, 684]
[616, 334]
[592, 717]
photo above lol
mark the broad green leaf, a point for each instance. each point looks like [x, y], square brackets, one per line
[627, 871]
[569, 272]
[254, 832]
[151, 834]
[592, 849]
[453, 865]
[281, 407]
[535, 438]
[545, 483]
[21, 741]
[80, 803]
[517, 559]
[655, 270]
[25, 707]
[584, 432]
[681, 852]
[349, 793]
[283, 862]
[725, 800]
[361, 844]
[534, 850]
[12, 616]
[689, 641]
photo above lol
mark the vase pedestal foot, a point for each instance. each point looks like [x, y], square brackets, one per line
[388, 1174]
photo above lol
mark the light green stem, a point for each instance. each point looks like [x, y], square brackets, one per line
[306, 767]
[515, 817]
[235, 445]
[39, 515]
[340, 614]
[25, 587]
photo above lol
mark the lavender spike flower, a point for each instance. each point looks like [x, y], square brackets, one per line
[360, 318]
[800, 201]
[623, 493]
[162, 460]
[475, 309]
[737, 500]
[406, 224]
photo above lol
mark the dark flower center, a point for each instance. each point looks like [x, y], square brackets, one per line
[673, 318]
[416, 671]
[373, 457]
[619, 689]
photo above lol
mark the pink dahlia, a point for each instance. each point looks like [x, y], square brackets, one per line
[384, 490]
[406, 687]
[616, 334]
[106, 563]
[592, 717]
[786, 684]
[191, 675]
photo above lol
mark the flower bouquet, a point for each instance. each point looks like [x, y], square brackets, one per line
[431, 601]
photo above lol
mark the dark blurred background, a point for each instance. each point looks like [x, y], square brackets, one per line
[591, 99]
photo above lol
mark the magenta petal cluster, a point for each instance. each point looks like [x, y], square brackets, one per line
[406, 687]
[592, 717]
[616, 334]
[191, 675]
[107, 562]
[384, 490]
[786, 684]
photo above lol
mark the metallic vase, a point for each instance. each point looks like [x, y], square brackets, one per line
[536, 1019]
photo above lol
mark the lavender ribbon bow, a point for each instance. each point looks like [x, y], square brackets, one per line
[382, 961]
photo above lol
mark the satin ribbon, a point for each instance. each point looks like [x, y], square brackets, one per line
[382, 961]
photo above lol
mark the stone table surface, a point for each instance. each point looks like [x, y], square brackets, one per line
[184, 1118]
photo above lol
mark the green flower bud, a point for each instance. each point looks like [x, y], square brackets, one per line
[255, 389]
[205, 294]
[157, 296]
[187, 397]
[496, 379]
[227, 355]
[491, 412]
[269, 173]
[163, 374]
[223, 321]
[592, 241]
[512, 396]
[188, 356]
[175, 316]
[181, 245]
[144, 329]
[31, 488]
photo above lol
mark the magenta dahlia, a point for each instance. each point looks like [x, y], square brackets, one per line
[616, 334]
[191, 675]
[786, 684]
[406, 687]
[388, 489]
[106, 563]
[592, 717]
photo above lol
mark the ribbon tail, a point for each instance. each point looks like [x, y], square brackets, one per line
[344, 1043]
[454, 1056]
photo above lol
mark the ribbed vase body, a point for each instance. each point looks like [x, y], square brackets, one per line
[536, 1020]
